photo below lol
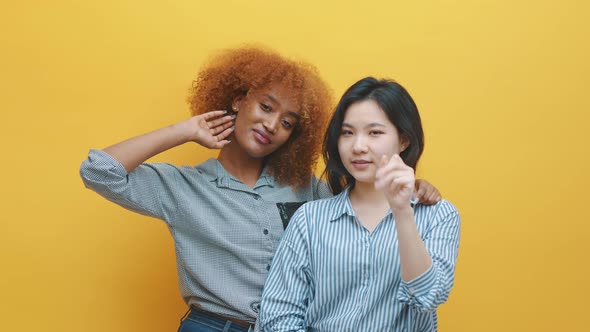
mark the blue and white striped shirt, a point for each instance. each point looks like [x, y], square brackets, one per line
[331, 274]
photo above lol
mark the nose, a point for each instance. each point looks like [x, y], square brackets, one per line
[271, 123]
[359, 145]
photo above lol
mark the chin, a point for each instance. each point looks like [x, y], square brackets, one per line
[259, 153]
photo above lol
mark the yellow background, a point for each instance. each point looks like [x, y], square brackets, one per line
[501, 86]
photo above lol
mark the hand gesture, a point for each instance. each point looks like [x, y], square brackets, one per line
[396, 180]
[211, 129]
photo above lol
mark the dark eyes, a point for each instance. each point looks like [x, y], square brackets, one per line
[346, 132]
[287, 124]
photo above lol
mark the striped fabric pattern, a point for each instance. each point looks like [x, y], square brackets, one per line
[331, 274]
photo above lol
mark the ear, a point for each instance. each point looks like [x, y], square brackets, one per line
[236, 103]
[405, 142]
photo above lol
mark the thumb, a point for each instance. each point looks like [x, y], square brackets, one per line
[383, 161]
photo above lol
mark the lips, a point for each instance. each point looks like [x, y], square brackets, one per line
[360, 164]
[261, 137]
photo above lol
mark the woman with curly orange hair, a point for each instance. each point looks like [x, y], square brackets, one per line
[267, 115]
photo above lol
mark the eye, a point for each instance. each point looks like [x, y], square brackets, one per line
[265, 107]
[287, 124]
[346, 132]
[375, 132]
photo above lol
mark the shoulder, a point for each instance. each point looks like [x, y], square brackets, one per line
[437, 214]
[320, 188]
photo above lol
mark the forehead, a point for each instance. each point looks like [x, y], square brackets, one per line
[365, 112]
[281, 95]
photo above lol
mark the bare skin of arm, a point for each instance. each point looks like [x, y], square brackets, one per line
[209, 130]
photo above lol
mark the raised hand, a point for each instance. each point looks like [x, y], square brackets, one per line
[396, 180]
[211, 129]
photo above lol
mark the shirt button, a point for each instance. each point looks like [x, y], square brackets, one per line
[265, 232]
[268, 267]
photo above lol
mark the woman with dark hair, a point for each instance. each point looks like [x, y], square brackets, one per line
[370, 258]
[228, 214]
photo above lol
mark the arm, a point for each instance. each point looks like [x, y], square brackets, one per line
[209, 129]
[427, 265]
[396, 180]
[286, 291]
[149, 189]
[432, 288]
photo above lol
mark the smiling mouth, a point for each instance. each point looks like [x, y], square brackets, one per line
[261, 137]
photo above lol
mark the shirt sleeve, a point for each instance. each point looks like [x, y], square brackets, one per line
[149, 189]
[427, 291]
[286, 292]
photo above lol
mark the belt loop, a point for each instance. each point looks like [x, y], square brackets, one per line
[227, 326]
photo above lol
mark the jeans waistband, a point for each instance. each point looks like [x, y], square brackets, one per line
[227, 322]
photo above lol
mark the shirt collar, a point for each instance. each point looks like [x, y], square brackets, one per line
[342, 206]
[214, 171]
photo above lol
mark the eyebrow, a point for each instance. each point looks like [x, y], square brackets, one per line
[274, 100]
[370, 125]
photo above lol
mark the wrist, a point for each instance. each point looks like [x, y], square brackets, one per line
[402, 212]
[183, 131]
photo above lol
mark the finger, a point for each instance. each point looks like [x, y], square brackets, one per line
[220, 121]
[212, 114]
[215, 131]
[426, 188]
[420, 191]
[220, 144]
[434, 198]
[406, 181]
[224, 134]
[386, 174]
[383, 161]
[383, 182]
[387, 167]
[397, 162]
[401, 184]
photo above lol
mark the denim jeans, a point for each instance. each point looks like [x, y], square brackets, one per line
[197, 321]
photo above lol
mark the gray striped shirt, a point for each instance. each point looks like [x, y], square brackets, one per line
[225, 233]
[331, 274]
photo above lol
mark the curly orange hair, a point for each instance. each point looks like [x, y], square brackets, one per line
[235, 71]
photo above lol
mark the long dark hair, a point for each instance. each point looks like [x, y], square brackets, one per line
[400, 109]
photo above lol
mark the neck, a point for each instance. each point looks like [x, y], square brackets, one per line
[369, 204]
[239, 164]
[366, 194]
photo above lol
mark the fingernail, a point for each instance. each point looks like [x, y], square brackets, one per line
[232, 127]
[233, 116]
